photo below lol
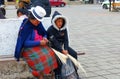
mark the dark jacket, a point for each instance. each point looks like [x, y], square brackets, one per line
[26, 28]
[58, 37]
[43, 3]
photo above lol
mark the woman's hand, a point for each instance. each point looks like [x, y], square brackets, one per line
[43, 42]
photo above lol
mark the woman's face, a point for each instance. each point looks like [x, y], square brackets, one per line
[35, 22]
[59, 22]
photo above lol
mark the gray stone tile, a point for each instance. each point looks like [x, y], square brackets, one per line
[112, 76]
[102, 72]
[91, 74]
[98, 77]
[106, 67]
[114, 71]
[93, 69]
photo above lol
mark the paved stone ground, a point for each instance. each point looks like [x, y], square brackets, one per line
[95, 31]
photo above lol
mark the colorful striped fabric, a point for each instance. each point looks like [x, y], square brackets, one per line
[40, 59]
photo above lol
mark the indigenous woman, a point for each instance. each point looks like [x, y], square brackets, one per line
[32, 44]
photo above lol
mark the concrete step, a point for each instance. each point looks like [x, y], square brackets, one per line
[11, 69]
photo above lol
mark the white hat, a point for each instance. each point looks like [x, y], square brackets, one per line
[38, 12]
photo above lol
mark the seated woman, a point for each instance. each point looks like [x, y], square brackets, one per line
[32, 44]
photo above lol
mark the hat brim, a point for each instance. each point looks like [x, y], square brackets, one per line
[31, 10]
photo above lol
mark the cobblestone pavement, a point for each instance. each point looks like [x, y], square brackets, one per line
[95, 31]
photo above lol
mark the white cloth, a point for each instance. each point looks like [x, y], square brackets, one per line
[63, 59]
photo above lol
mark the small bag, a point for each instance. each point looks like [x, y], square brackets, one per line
[68, 70]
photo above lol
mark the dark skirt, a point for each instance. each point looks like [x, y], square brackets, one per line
[40, 59]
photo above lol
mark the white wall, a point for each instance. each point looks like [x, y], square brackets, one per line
[8, 34]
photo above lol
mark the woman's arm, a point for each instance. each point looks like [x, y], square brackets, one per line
[30, 42]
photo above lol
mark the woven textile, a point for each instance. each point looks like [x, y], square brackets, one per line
[40, 58]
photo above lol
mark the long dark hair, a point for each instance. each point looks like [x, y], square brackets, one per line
[23, 11]
[30, 16]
